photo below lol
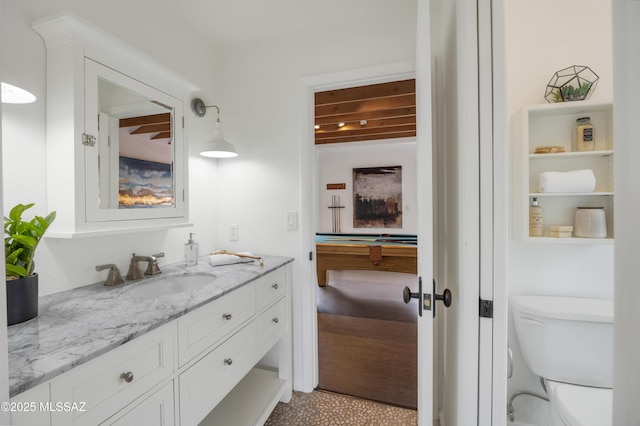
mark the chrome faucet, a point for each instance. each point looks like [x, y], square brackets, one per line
[114, 277]
[135, 273]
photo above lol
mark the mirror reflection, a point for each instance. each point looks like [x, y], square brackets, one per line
[136, 149]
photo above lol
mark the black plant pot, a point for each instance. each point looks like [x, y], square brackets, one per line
[22, 299]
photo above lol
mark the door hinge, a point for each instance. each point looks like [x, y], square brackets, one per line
[310, 255]
[183, 121]
[486, 308]
[88, 140]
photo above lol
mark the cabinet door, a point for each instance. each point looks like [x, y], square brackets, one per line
[271, 287]
[30, 407]
[205, 327]
[208, 381]
[102, 386]
[270, 325]
[157, 409]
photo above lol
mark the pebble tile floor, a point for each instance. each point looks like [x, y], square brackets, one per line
[320, 408]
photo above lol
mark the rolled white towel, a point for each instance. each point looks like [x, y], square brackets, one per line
[574, 181]
[228, 259]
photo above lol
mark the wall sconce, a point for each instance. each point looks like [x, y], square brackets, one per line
[14, 95]
[218, 147]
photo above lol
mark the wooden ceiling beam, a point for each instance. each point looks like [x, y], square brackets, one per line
[366, 138]
[370, 124]
[151, 128]
[162, 135]
[145, 119]
[371, 91]
[376, 131]
[402, 101]
[369, 115]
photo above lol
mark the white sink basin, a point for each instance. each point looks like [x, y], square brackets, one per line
[171, 284]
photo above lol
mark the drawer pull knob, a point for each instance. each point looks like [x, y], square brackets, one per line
[275, 320]
[226, 316]
[274, 286]
[128, 376]
[228, 361]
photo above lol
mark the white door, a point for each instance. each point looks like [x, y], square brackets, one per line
[426, 245]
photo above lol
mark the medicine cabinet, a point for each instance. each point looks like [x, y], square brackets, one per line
[553, 125]
[116, 146]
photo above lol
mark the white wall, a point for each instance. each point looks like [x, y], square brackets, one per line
[335, 165]
[538, 43]
[262, 100]
[64, 264]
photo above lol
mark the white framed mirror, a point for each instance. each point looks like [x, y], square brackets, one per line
[135, 169]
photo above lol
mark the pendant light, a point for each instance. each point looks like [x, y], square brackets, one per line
[218, 147]
[14, 95]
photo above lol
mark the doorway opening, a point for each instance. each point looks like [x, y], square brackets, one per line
[366, 241]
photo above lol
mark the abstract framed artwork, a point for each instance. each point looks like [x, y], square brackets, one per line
[377, 197]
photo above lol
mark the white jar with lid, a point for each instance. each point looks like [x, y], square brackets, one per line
[590, 222]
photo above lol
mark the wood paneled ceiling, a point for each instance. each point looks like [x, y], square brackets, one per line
[363, 113]
[159, 125]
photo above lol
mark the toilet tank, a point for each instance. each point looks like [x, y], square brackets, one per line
[566, 339]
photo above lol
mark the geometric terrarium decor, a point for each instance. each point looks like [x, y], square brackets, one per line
[574, 83]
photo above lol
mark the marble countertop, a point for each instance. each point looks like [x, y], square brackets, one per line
[77, 325]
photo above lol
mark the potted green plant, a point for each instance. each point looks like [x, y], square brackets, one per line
[20, 243]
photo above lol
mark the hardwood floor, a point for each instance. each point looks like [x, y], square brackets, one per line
[367, 337]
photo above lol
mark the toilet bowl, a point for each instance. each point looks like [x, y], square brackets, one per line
[573, 405]
[569, 342]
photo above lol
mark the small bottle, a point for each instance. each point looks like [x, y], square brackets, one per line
[191, 251]
[536, 219]
[584, 134]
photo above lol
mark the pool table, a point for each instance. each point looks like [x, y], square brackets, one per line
[392, 253]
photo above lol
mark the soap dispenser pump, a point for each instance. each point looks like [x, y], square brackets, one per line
[191, 251]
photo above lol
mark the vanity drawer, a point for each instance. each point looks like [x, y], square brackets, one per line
[206, 383]
[157, 409]
[271, 287]
[270, 325]
[206, 326]
[98, 388]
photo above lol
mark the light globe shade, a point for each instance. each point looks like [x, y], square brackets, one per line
[14, 95]
[219, 147]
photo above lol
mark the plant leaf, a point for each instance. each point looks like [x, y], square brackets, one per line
[25, 240]
[15, 270]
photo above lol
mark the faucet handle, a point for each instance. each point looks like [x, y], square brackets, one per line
[152, 266]
[114, 277]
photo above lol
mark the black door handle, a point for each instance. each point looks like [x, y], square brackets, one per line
[446, 297]
[407, 295]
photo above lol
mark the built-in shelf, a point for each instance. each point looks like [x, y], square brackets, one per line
[578, 154]
[250, 402]
[569, 194]
[554, 125]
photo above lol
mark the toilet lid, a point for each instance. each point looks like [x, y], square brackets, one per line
[584, 406]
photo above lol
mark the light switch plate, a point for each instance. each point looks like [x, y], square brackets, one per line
[233, 232]
[291, 221]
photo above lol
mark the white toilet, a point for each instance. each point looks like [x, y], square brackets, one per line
[569, 342]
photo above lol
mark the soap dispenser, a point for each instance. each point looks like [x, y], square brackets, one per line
[191, 251]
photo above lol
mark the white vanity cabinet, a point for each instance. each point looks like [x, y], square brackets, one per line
[554, 125]
[110, 382]
[234, 351]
